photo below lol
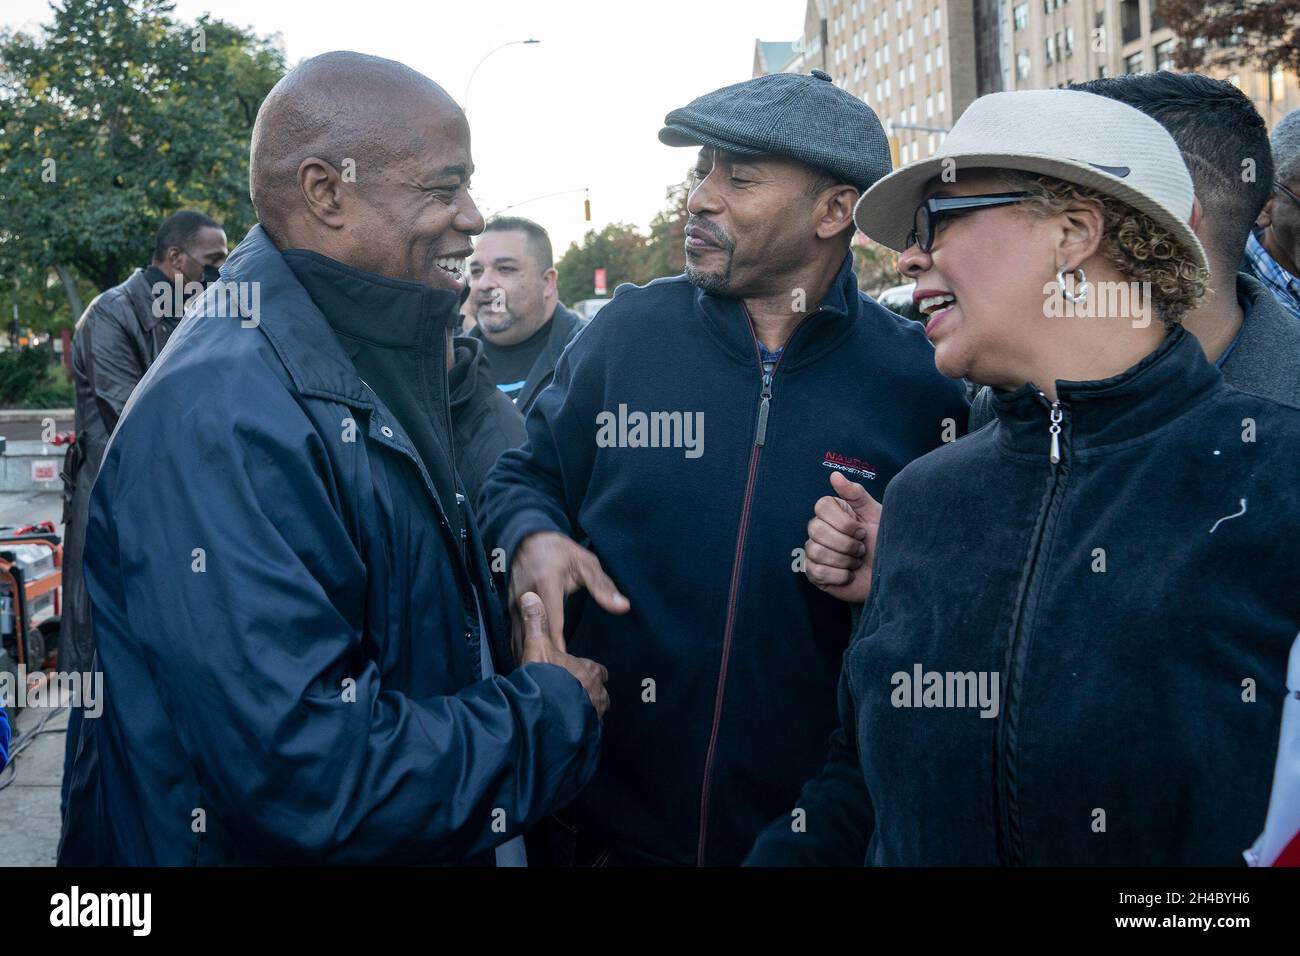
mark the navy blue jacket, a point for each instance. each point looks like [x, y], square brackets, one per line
[1136, 602]
[723, 674]
[287, 631]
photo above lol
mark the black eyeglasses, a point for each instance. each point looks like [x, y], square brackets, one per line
[928, 215]
[1290, 195]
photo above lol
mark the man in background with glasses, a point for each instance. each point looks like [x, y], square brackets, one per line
[1273, 249]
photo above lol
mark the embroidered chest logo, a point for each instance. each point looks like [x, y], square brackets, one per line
[849, 465]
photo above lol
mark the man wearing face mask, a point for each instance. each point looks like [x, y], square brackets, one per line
[116, 340]
[304, 659]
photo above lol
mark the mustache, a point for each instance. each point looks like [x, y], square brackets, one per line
[715, 232]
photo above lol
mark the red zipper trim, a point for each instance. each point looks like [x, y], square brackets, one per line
[733, 596]
[732, 599]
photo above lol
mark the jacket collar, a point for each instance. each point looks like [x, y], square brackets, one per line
[295, 327]
[1269, 332]
[139, 288]
[728, 321]
[374, 309]
[1126, 406]
[469, 372]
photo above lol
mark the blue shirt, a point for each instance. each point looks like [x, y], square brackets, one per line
[1283, 285]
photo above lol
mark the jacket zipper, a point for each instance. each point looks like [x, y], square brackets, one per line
[1011, 850]
[733, 596]
[459, 549]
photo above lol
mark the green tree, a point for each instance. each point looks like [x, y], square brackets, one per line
[619, 249]
[876, 268]
[625, 254]
[665, 251]
[112, 117]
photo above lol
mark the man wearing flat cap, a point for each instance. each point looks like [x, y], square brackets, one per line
[670, 468]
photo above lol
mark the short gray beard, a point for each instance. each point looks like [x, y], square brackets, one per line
[713, 282]
[497, 329]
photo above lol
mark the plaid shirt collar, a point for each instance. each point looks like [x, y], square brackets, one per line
[1283, 285]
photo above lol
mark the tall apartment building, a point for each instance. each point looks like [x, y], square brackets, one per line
[1046, 43]
[912, 61]
[919, 63]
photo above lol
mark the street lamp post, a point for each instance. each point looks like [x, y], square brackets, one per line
[489, 53]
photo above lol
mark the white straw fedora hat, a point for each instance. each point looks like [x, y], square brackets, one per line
[1077, 137]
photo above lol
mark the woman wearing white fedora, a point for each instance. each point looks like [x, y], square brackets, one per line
[1074, 648]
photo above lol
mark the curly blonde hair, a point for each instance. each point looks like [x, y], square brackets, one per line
[1132, 242]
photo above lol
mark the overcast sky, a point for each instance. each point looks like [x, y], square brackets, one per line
[579, 109]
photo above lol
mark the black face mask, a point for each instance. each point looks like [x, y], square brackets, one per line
[210, 275]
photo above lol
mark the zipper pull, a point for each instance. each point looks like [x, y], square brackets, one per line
[1055, 429]
[764, 406]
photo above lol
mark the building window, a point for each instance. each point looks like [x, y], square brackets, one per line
[1165, 55]
[913, 113]
[909, 36]
[936, 18]
[900, 43]
[1051, 49]
[929, 61]
[1276, 84]
[1069, 41]
[1021, 15]
[938, 58]
[925, 25]
[1133, 64]
[877, 59]
[1023, 65]
[911, 72]
[886, 86]
[878, 96]
[875, 26]
[929, 107]
[941, 102]
[931, 144]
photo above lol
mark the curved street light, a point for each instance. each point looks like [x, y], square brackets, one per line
[489, 53]
[562, 192]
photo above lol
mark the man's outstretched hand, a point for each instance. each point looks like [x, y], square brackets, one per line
[553, 566]
[841, 543]
[537, 646]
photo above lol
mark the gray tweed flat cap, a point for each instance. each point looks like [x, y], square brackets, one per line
[799, 116]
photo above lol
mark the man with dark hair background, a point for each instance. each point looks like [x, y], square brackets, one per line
[1224, 142]
[116, 340]
[521, 322]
